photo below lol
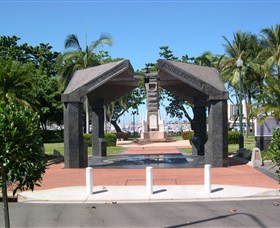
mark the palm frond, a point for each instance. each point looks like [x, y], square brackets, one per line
[72, 41]
[103, 39]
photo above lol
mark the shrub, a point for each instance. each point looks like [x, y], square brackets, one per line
[187, 135]
[110, 138]
[122, 135]
[233, 137]
[87, 139]
[50, 136]
[273, 152]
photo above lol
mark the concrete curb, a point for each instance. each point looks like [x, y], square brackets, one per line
[135, 194]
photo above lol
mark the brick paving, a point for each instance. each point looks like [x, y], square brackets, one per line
[236, 174]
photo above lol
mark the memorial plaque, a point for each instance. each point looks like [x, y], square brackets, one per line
[153, 122]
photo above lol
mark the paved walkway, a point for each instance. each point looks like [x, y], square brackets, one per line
[125, 184]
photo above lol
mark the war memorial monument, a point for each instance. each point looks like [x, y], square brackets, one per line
[200, 86]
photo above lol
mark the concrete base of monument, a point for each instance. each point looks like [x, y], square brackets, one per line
[154, 136]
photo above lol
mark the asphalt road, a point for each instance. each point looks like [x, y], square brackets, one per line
[250, 213]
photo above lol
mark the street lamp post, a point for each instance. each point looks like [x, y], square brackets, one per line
[133, 113]
[239, 64]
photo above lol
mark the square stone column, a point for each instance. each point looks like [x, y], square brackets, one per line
[199, 126]
[216, 149]
[74, 154]
[98, 142]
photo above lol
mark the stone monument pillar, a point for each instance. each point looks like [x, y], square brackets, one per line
[74, 154]
[199, 138]
[153, 126]
[98, 141]
[216, 148]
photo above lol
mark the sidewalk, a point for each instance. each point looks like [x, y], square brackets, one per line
[128, 185]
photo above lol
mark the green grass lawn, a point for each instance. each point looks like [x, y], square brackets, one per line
[49, 147]
[187, 150]
[249, 143]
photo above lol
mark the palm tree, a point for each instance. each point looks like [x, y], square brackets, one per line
[269, 101]
[247, 47]
[271, 43]
[76, 59]
[210, 60]
[15, 81]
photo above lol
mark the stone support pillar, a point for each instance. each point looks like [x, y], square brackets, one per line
[98, 141]
[199, 138]
[216, 149]
[74, 154]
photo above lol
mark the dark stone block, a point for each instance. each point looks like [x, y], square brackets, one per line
[217, 145]
[98, 141]
[199, 138]
[73, 135]
[244, 153]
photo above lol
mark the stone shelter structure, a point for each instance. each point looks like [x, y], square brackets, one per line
[201, 86]
[102, 85]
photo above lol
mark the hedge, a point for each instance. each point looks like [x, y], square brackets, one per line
[111, 139]
[232, 136]
[186, 135]
[52, 136]
[122, 135]
[87, 139]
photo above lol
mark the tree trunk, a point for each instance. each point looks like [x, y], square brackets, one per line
[116, 126]
[187, 116]
[5, 198]
[234, 122]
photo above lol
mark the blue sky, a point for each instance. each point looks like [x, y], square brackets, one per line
[138, 28]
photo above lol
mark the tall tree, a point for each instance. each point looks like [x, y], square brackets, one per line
[271, 43]
[15, 79]
[269, 101]
[76, 59]
[34, 82]
[246, 46]
[21, 161]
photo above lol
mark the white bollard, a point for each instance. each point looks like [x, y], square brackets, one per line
[149, 180]
[207, 178]
[89, 182]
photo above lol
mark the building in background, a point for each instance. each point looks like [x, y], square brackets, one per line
[233, 116]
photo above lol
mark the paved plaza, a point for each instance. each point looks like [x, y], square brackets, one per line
[239, 180]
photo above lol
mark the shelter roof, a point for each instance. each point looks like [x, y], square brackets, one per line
[191, 82]
[108, 82]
